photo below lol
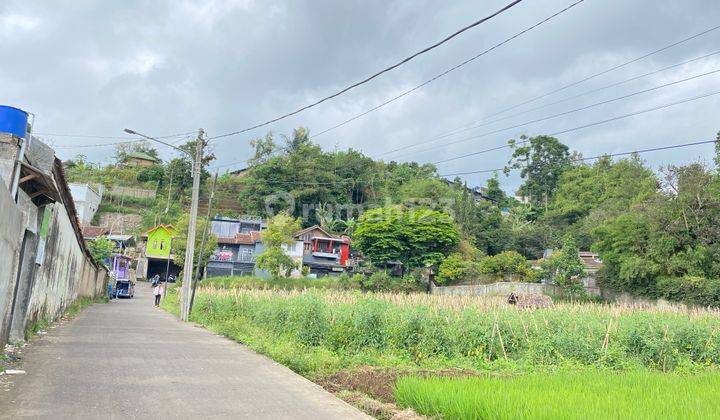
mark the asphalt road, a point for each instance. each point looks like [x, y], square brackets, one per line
[128, 359]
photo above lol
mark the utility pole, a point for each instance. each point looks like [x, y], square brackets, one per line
[202, 243]
[190, 247]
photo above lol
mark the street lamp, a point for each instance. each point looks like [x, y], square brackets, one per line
[135, 133]
[190, 247]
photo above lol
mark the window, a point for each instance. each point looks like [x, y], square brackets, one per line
[162, 244]
[155, 244]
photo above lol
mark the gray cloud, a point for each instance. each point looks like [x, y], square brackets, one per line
[163, 67]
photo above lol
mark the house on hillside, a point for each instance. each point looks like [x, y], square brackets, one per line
[87, 200]
[141, 159]
[238, 241]
[591, 265]
[239, 173]
[158, 253]
[478, 194]
[323, 252]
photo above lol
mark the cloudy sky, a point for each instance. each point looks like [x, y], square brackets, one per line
[162, 67]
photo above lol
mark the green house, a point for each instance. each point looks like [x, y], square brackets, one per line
[158, 241]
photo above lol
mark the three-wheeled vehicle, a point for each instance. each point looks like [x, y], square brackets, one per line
[124, 289]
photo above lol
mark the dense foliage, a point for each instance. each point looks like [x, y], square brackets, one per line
[656, 231]
[416, 237]
[100, 248]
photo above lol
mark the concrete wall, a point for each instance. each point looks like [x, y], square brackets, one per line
[32, 288]
[87, 201]
[11, 235]
[507, 287]
[500, 288]
[65, 273]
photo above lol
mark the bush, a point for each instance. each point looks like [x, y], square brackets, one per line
[690, 289]
[459, 268]
[507, 264]
[381, 281]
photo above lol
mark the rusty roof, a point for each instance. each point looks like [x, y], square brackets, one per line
[94, 231]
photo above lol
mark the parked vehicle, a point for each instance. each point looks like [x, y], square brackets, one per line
[124, 289]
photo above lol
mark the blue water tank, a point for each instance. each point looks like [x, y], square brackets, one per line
[13, 121]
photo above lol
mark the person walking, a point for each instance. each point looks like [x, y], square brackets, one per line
[158, 291]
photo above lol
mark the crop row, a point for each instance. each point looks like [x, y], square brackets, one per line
[424, 331]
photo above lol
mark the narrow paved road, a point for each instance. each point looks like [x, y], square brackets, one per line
[128, 359]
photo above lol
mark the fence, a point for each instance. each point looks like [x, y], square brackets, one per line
[132, 192]
[494, 289]
[507, 287]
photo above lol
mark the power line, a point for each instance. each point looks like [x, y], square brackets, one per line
[473, 58]
[369, 78]
[592, 76]
[89, 136]
[654, 149]
[616, 118]
[486, 122]
[583, 108]
[85, 146]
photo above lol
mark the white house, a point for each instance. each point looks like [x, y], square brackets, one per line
[87, 200]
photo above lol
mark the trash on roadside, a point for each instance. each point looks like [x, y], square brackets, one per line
[14, 372]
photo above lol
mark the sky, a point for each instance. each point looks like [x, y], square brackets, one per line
[163, 67]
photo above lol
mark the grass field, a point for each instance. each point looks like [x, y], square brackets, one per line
[565, 395]
[432, 331]
[569, 361]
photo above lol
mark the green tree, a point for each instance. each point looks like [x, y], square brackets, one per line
[100, 248]
[565, 269]
[506, 264]
[541, 160]
[717, 152]
[494, 192]
[453, 269]
[179, 242]
[417, 237]
[264, 147]
[279, 232]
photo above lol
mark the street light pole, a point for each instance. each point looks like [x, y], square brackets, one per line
[190, 247]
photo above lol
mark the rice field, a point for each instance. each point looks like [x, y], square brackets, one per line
[467, 332]
[564, 395]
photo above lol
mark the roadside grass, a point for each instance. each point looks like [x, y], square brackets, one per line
[585, 394]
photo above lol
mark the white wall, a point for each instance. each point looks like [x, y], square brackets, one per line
[87, 201]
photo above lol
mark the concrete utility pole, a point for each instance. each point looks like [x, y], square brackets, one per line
[190, 251]
[190, 247]
[202, 244]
